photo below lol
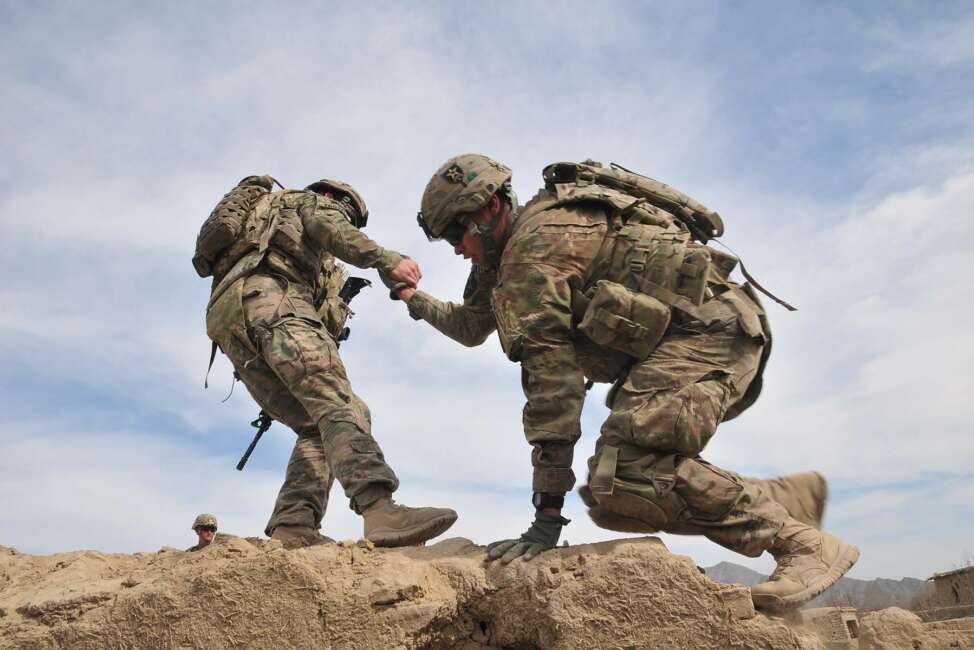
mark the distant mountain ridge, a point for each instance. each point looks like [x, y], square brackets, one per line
[864, 595]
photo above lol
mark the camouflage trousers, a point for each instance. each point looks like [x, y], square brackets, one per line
[647, 463]
[290, 365]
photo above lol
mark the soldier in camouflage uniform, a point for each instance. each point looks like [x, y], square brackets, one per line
[270, 310]
[205, 528]
[586, 282]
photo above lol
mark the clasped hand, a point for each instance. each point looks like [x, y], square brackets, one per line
[408, 272]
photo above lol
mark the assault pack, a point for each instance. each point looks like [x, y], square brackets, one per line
[641, 199]
[703, 223]
[222, 227]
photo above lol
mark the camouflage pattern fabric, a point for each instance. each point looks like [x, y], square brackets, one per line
[268, 326]
[469, 323]
[664, 409]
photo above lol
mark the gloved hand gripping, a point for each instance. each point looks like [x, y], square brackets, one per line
[541, 536]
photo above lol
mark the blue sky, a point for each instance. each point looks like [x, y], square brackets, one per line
[836, 141]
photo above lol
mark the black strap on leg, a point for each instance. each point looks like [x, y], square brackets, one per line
[206, 378]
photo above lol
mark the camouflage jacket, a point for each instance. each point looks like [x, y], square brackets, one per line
[546, 256]
[295, 239]
[469, 323]
[322, 229]
[554, 252]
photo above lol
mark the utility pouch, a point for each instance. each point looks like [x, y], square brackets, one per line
[624, 320]
[225, 322]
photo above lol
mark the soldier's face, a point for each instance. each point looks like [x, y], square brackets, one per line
[472, 248]
[206, 534]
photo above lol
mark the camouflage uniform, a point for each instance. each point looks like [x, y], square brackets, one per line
[664, 409]
[269, 322]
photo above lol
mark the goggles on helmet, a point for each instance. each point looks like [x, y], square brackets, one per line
[452, 234]
[355, 217]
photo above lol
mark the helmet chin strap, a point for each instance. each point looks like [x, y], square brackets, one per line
[485, 231]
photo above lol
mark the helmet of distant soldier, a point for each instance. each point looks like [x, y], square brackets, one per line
[205, 519]
[355, 209]
[463, 184]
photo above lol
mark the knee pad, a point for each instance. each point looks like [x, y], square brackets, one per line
[628, 503]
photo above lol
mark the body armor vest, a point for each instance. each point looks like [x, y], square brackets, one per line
[648, 268]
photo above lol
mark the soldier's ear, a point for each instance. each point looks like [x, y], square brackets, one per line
[494, 205]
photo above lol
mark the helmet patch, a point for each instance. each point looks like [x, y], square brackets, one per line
[454, 174]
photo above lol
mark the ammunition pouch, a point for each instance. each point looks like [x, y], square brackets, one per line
[624, 320]
[225, 321]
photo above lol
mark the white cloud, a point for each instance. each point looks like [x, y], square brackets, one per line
[123, 135]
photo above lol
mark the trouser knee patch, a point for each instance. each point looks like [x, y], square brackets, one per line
[708, 491]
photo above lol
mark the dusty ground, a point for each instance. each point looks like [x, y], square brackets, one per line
[239, 594]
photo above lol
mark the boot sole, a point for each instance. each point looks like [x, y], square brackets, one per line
[771, 603]
[411, 536]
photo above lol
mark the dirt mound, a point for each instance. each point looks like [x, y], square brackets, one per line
[249, 594]
[894, 628]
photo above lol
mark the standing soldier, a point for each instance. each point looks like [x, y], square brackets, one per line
[266, 251]
[593, 280]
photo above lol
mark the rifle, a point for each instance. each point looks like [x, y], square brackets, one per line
[262, 424]
[352, 287]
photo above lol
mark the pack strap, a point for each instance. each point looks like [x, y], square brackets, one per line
[757, 285]
[206, 378]
[602, 482]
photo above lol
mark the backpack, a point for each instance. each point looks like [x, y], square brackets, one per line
[703, 223]
[222, 227]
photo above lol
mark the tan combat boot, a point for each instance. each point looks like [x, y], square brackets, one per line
[809, 562]
[803, 495]
[389, 524]
[292, 536]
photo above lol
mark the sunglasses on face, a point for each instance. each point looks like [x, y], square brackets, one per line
[453, 234]
[207, 529]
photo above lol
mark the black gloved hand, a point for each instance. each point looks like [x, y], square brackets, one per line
[542, 535]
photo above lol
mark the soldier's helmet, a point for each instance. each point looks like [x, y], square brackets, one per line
[357, 212]
[462, 184]
[205, 519]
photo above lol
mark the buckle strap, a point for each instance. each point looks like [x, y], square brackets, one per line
[603, 481]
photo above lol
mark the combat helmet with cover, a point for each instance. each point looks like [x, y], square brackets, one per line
[351, 201]
[205, 519]
[463, 184]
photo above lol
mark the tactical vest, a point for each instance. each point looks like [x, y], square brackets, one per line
[272, 235]
[646, 249]
[649, 264]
